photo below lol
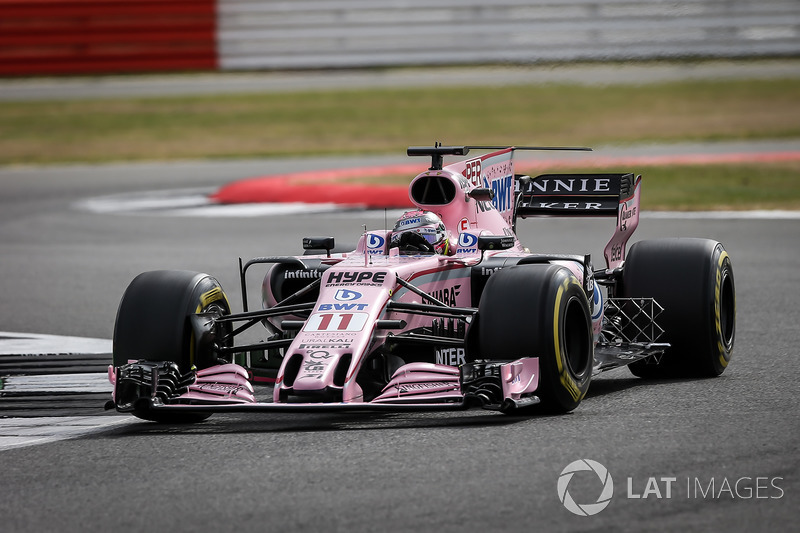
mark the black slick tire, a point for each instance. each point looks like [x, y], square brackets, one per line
[540, 311]
[692, 279]
[153, 324]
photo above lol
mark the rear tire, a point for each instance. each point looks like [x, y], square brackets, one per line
[692, 279]
[540, 311]
[153, 323]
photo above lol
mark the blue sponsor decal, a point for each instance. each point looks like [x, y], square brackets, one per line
[467, 240]
[342, 307]
[467, 243]
[375, 241]
[503, 193]
[409, 222]
[597, 303]
[346, 295]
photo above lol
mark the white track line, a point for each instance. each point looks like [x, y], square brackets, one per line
[145, 202]
[37, 344]
[21, 432]
[252, 210]
[80, 382]
[723, 215]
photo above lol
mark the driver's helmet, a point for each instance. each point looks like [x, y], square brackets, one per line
[420, 231]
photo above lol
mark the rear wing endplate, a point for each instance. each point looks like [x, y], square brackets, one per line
[584, 195]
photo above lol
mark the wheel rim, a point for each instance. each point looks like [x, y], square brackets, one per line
[727, 311]
[576, 339]
[221, 330]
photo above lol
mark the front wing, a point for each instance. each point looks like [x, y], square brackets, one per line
[161, 387]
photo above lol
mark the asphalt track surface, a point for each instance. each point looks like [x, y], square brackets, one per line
[64, 269]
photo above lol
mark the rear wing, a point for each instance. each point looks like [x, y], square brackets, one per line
[570, 195]
[584, 195]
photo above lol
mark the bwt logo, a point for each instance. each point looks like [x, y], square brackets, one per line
[467, 240]
[503, 193]
[375, 241]
[409, 222]
[585, 509]
[345, 295]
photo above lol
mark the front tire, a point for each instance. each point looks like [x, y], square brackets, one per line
[540, 311]
[692, 279]
[153, 323]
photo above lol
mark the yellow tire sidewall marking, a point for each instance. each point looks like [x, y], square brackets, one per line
[724, 355]
[563, 374]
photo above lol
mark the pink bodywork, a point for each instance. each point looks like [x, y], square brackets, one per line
[343, 328]
[627, 221]
[223, 383]
[228, 382]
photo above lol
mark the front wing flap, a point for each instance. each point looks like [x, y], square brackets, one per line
[160, 386]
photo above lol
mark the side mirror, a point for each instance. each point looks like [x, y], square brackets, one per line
[481, 194]
[495, 242]
[318, 243]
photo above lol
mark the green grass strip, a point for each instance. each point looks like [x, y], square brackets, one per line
[387, 121]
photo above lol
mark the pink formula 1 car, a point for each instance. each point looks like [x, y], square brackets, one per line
[445, 311]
